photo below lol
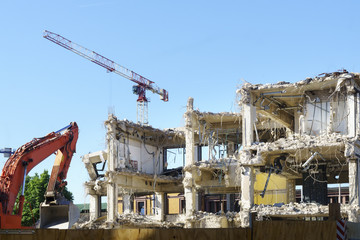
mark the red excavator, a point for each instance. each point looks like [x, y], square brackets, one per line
[13, 175]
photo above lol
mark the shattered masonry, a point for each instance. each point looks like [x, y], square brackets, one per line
[306, 133]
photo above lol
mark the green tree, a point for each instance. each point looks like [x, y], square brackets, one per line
[35, 188]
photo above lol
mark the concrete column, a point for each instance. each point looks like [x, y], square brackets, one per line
[160, 206]
[247, 195]
[189, 135]
[112, 190]
[351, 119]
[357, 114]
[112, 202]
[189, 201]
[94, 207]
[291, 189]
[112, 143]
[247, 173]
[249, 116]
[353, 182]
[126, 203]
[188, 182]
[353, 188]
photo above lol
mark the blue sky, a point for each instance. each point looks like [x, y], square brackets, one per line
[203, 49]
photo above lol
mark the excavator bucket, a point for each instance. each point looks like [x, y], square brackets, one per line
[61, 216]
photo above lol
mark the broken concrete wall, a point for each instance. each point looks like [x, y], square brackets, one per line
[139, 156]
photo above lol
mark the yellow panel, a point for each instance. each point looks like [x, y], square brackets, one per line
[148, 205]
[174, 202]
[276, 191]
[120, 206]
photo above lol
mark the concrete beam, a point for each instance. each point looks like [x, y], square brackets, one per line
[146, 185]
[281, 117]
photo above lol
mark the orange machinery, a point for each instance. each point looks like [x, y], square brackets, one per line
[63, 142]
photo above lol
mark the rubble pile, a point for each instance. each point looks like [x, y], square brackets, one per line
[131, 220]
[305, 141]
[292, 208]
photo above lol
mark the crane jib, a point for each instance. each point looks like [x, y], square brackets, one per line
[111, 66]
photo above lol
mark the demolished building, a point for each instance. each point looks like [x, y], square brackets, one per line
[303, 134]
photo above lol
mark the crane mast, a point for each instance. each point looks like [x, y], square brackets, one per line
[143, 83]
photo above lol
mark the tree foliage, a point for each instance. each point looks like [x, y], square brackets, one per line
[35, 188]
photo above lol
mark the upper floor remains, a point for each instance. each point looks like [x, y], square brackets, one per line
[315, 106]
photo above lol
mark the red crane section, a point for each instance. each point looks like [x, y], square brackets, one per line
[143, 83]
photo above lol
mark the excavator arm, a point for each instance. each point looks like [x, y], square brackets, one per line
[59, 172]
[27, 157]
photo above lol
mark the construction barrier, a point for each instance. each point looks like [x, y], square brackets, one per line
[353, 231]
[309, 230]
[278, 230]
[130, 234]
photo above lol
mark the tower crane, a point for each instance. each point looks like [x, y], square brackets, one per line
[143, 83]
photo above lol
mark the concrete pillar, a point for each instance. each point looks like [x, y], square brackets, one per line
[188, 182]
[112, 202]
[249, 116]
[247, 195]
[291, 190]
[354, 182]
[247, 172]
[94, 207]
[357, 114]
[126, 203]
[160, 206]
[189, 135]
[189, 201]
[112, 189]
[351, 119]
[112, 143]
[353, 189]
